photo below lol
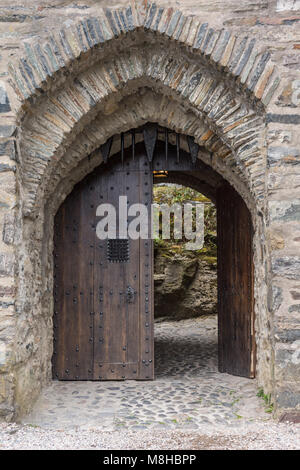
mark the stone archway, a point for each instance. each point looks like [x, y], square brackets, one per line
[74, 94]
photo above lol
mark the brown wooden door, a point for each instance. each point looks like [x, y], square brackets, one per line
[235, 285]
[103, 289]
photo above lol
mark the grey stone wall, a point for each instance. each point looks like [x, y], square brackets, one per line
[247, 54]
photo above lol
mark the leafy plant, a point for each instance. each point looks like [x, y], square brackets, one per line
[267, 399]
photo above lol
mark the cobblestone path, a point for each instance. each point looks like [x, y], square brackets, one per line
[188, 392]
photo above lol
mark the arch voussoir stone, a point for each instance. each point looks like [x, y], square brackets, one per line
[42, 66]
[47, 133]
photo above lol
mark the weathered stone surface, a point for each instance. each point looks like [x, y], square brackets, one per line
[8, 148]
[7, 131]
[290, 417]
[6, 264]
[295, 308]
[287, 336]
[287, 5]
[295, 295]
[277, 242]
[283, 155]
[288, 399]
[4, 101]
[7, 389]
[284, 118]
[7, 291]
[286, 211]
[9, 229]
[275, 298]
[287, 266]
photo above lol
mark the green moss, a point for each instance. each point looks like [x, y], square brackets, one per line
[179, 194]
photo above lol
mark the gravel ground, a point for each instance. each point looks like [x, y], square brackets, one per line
[261, 436]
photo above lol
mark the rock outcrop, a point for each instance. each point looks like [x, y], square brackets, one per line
[185, 285]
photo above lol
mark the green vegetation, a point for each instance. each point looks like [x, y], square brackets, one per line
[267, 399]
[171, 194]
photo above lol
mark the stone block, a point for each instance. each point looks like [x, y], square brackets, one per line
[287, 5]
[4, 101]
[275, 298]
[7, 130]
[283, 156]
[288, 336]
[289, 399]
[284, 118]
[295, 308]
[295, 294]
[9, 228]
[285, 211]
[287, 267]
[7, 261]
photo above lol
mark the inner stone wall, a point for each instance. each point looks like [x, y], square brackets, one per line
[270, 26]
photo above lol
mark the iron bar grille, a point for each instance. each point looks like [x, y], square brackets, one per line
[118, 250]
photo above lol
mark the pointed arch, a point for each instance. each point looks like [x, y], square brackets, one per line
[56, 118]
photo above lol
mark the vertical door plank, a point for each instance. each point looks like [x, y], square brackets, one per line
[235, 284]
[85, 286]
[146, 369]
[72, 332]
[110, 327]
[132, 273]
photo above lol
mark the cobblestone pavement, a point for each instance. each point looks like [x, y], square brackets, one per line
[188, 393]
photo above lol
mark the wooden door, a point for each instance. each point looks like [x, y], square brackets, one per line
[235, 285]
[103, 289]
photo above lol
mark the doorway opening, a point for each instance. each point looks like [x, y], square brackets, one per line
[104, 289]
[185, 291]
